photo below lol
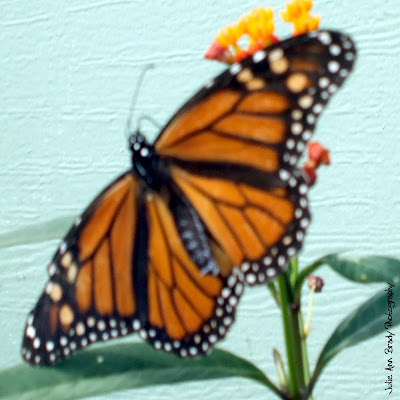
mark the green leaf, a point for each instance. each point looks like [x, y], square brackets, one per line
[41, 232]
[361, 269]
[118, 367]
[363, 323]
[365, 269]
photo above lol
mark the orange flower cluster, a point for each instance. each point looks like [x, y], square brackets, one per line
[258, 27]
[298, 13]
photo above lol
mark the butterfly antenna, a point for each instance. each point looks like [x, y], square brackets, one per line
[149, 119]
[129, 129]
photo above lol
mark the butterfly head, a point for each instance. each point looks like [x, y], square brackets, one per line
[145, 161]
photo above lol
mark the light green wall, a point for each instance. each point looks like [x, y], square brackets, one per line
[68, 71]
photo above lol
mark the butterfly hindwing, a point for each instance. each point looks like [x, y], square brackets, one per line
[188, 311]
[259, 229]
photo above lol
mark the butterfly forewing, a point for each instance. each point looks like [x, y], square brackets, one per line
[261, 112]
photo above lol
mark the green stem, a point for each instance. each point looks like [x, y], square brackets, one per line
[292, 334]
[294, 270]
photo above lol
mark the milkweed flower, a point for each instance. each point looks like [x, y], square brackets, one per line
[216, 51]
[315, 283]
[258, 27]
[298, 13]
[317, 156]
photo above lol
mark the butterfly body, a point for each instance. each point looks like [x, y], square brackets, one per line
[146, 164]
[216, 203]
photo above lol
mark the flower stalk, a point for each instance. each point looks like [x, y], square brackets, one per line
[307, 326]
[294, 329]
[292, 333]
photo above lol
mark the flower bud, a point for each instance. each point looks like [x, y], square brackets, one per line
[315, 282]
[318, 154]
[218, 52]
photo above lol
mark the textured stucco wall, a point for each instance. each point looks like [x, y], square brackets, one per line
[68, 73]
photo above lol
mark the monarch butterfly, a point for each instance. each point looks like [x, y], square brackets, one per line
[217, 202]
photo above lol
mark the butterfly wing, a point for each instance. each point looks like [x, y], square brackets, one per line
[245, 132]
[258, 228]
[89, 295]
[188, 311]
[123, 268]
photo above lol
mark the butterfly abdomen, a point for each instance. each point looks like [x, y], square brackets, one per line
[193, 234]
